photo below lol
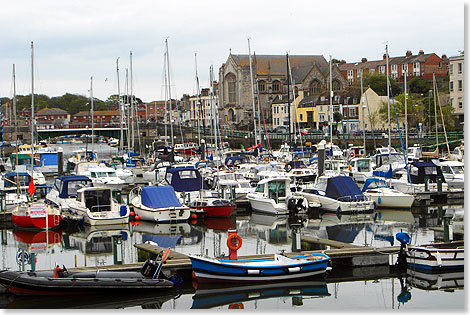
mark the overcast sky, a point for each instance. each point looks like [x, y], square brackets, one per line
[74, 40]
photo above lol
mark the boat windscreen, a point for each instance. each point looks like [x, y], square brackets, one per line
[98, 200]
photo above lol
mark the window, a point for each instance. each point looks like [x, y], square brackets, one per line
[382, 69]
[451, 86]
[301, 117]
[459, 67]
[350, 73]
[451, 69]
[405, 67]
[276, 86]
[394, 68]
[261, 86]
[352, 112]
[451, 101]
[314, 88]
[231, 86]
[260, 188]
[460, 102]
[460, 85]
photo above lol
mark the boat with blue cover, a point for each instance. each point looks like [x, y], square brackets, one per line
[277, 268]
[158, 204]
[378, 190]
[338, 194]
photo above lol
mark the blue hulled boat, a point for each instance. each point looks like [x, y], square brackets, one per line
[274, 269]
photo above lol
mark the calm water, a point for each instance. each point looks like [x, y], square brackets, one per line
[370, 288]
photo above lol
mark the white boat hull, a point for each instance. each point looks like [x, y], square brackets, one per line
[332, 205]
[265, 205]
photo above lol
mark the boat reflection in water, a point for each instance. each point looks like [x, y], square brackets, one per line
[37, 241]
[168, 234]
[145, 300]
[214, 295]
[99, 242]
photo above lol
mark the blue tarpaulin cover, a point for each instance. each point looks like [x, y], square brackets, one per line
[343, 188]
[159, 197]
[66, 180]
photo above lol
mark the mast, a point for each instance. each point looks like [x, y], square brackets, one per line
[435, 110]
[252, 93]
[127, 110]
[169, 92]
[288, 96]
[388, 102]
[32, 109]
[14, 106]
[363, 107]
[406, 118]
[121, 123]
[331, 103]
[131, 105]
[92, 112]
[199, 108]
[166, 120]
[442, 116]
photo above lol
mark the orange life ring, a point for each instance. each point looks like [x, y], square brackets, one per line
[229, 242]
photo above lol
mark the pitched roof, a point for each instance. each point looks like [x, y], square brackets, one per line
[276, 64]
[51, 111]
[98, 112]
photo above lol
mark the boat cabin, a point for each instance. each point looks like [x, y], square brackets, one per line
[362, 165]
[102, 172]
[95, 199]
[277, 189]
[67, 186]
[421, 170]
[387, 159]
[11, 179]
[185, 179]
[235, 160]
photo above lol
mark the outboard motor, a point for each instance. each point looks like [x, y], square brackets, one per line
[404, 239]
[149, 268]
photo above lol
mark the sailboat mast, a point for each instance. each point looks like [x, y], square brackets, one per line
[92, 112]
[121, 140]
[166, 120]
[198, 102]
[252, 93]
[169, 92]
[32, 108]
[14, 106]
[331, 103]
[406, 119]
[363, 108]
[128, 113]
[288, 96]
[435, 111]
[131, 104]
[388, 101]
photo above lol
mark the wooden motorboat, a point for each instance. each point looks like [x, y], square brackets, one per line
[274, 269]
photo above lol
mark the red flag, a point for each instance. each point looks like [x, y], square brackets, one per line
[31, 189]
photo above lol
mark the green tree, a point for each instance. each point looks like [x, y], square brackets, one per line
[419, 85]
[337, 117]
[378, 83]
[400, 109]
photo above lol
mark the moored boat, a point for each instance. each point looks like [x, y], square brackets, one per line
[273, 269]
[36, 215]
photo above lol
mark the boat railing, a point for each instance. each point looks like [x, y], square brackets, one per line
[100, 208]
[354, 198]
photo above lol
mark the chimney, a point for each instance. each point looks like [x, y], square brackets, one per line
[364, 60]
[421, 52]
[409, 53]
[342, 62]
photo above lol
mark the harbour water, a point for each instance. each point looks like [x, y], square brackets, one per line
[352, 289]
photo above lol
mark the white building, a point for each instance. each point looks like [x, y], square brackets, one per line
[456, 88]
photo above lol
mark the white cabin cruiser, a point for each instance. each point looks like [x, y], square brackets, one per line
[96, 206]
[378, 190]
[453, 172]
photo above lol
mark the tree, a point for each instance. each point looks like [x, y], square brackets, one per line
[399, 101]
[337, 117]
[378, 83]
[419, 85]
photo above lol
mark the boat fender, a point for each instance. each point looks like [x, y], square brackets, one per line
[379, 200]
[230, 244]
[123, 211]
[176, 279]
[403, 237]
[236, 306]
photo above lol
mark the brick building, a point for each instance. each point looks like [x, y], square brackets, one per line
[101, 118]
[421, 65]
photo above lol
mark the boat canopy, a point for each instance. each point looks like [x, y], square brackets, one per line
[294, 164]
[343, 188]
[156, 197]
[374, 183]
[234, 160]
[10, 179]
[420, 170]
[185, 179]
[68, 185]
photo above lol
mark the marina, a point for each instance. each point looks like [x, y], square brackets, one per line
[362, 250]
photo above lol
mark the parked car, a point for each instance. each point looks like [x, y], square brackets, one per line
[281, 129]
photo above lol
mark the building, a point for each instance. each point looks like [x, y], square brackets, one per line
[421, 65]
[101, 118]
[310, 74]
[49, 118]
[203, 105]
[456, 88]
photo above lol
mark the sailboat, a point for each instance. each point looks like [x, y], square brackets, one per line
[34, 214]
